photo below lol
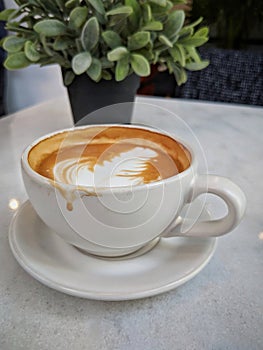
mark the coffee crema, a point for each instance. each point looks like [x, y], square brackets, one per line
[108, 157]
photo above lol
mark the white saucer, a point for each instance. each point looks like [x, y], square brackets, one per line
[45, 256]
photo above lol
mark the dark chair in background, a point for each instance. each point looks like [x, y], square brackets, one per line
[232, 76]
[2, 69]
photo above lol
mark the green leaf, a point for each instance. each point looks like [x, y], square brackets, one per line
[202, 32]
[122, 69]
[16, 61]
[156, 56]
[98, 5]
[138, 40]
[71, 3]
[153, 25]
[194, 66]
[174, 23]
[62, 43]
[105, 63]
[164, 40]
[134, 17]
[147, 53]
[48, 6]
[13, 43]
[194, 24]
[47, 61]
[17, 28]
[161, 48]
[119, 22]
[94, 71]
[81, 62]
[112, 39]
[160, 13]
[194, 41]
[106, 75]
[5, 14]
[78, 16]
[102, 19]
[117, 54]
[122, 10]
[178, 54]
[179, 73]
[32, 2]
[192, 52]
[186, 33]
[90, 34]
[31, 52]
[140, 65]
[60, 4]
[159, 2]
[50, 27]
[46, 46]
[68, 77]
[56, 58]
[61, 60]
[147, 13]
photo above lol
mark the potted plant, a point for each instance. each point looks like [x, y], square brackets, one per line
[102, 46]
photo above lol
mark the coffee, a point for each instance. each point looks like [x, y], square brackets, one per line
[65, 175]
[108, 157]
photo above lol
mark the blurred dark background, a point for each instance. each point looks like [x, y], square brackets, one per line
[234, 24]
[235, 51]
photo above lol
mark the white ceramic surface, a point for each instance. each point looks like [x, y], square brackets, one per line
[45, 256]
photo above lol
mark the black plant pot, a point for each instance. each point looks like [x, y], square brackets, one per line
[87, 98]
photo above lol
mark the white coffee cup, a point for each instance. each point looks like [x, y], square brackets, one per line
[118, 220]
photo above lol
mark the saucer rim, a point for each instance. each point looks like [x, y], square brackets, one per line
[97, 295]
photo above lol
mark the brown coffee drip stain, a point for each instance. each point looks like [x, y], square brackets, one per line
[95, 145]
[69, 206]
[71, 195]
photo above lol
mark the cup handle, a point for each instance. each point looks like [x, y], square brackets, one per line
[224, 188]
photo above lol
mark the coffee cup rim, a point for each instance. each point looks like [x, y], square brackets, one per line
[99, 190]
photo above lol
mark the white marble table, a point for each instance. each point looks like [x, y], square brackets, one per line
[220, 309]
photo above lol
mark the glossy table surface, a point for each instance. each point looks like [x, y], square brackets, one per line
[221, 308]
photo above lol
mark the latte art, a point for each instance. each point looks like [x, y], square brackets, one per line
[126, 168]
[108, 157]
